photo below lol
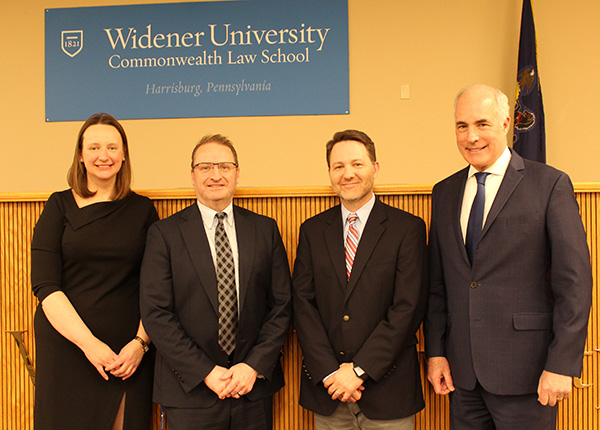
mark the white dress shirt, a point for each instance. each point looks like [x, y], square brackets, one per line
[492, 185]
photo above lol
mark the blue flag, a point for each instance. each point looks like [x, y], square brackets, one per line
[529, 135]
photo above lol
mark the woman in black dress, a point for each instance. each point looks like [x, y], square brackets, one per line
[93, 369]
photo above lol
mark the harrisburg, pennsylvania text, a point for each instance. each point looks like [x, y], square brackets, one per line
[211, 87]
[217, 36]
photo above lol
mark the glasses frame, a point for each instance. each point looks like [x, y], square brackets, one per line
[217, 165]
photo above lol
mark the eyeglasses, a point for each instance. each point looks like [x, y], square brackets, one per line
[224, 166]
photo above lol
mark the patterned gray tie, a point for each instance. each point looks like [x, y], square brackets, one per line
[228, 309]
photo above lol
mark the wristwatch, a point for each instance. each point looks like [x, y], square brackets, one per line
[359, 372]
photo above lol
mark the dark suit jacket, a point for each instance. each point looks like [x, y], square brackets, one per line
[179, 305]
[371, 319]
[524, 304]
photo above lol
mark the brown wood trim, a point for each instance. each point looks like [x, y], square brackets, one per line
[264, 192]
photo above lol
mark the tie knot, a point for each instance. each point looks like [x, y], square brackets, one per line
[221, 216]
[352, 218]
[481, 176]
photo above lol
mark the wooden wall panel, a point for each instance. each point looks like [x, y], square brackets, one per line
[582, 411]
[17, 306]
[289, 207]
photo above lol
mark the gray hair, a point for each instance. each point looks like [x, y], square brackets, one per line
[500, 100]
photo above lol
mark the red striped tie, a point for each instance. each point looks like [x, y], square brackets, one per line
[351, 243]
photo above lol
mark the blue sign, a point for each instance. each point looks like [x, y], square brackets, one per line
[205, 59]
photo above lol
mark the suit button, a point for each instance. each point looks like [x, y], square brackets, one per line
[341, 352]
[346, 318]
[474, 284]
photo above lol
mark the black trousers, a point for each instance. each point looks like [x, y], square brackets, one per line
[227, 414]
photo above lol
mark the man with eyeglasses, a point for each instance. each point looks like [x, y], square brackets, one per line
[216, 301]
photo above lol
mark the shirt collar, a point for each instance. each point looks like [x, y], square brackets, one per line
[498, 168]
[362, 213]
[208, 215]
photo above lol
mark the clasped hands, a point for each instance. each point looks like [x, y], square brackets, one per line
[344, 385]
[234, 382]
[121, 365]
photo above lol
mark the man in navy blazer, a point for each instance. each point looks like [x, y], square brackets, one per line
[506, 325]
[199, 381]
[356, 314]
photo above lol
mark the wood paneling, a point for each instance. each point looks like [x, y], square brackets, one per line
[289, 207]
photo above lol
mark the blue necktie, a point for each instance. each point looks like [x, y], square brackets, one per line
[475, 224]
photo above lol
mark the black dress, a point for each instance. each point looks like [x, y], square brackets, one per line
[92, 254]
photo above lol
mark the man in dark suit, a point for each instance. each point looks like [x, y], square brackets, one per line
[511, 281]
[216, 302]
[360, 291]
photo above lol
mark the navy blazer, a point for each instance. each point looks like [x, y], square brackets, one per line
[523, 305]
[179, 305]
[370, 319]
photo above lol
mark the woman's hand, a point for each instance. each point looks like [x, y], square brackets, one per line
[100, 355]
[64, 318]
[128, 360]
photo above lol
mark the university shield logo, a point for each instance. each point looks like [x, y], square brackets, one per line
[72, 42]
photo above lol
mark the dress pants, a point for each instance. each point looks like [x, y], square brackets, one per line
[348, 416]
[227, 414]
[479, 410]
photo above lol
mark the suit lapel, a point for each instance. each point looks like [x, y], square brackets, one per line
[512, 177]
[194, 236]
[371, 234]
[246, 238]
[456, 199]
[334, 238]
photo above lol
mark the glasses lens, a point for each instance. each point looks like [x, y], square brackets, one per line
[223, 167]
[204, 167]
